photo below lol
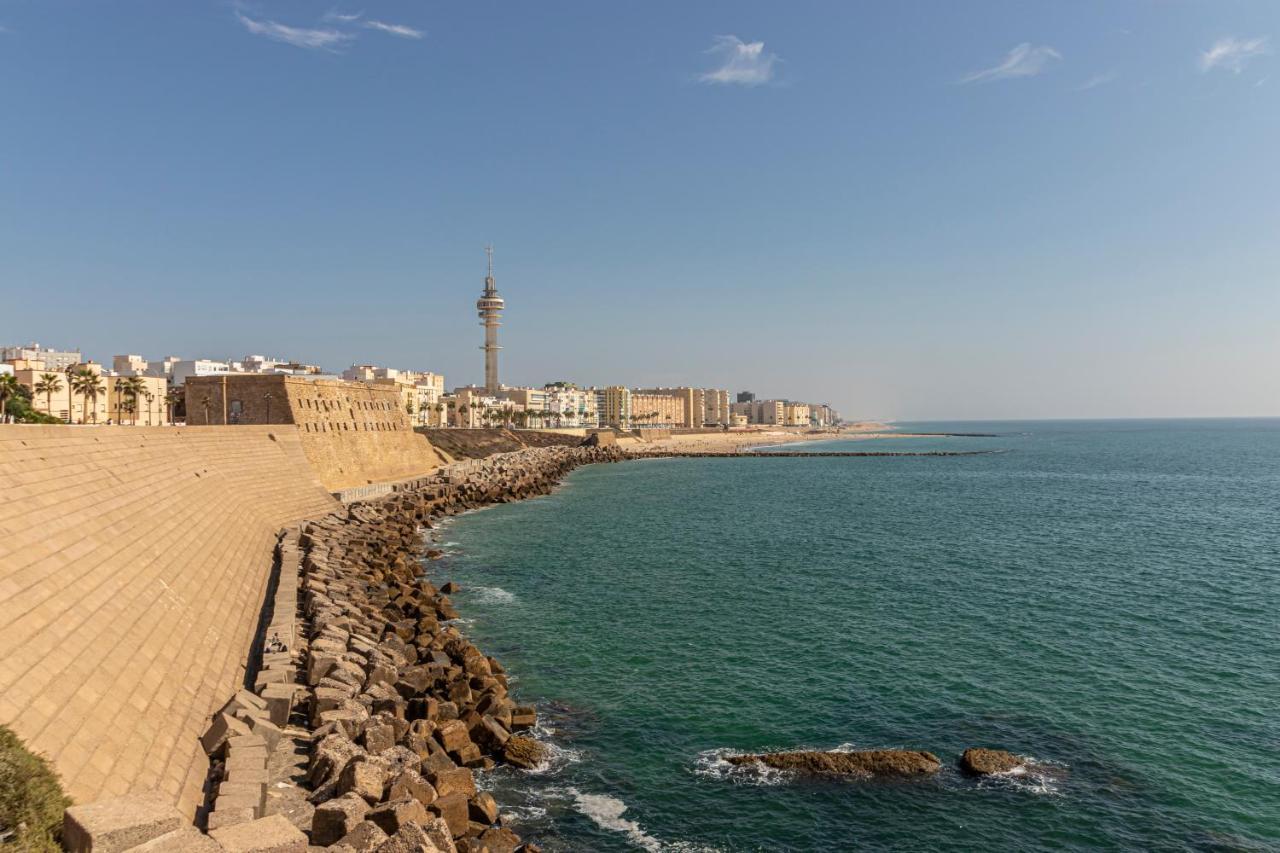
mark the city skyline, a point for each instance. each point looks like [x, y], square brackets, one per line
[972, 213]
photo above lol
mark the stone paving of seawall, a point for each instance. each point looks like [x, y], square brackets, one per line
[133, 566]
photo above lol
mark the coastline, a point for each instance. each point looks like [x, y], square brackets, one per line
[400, 709]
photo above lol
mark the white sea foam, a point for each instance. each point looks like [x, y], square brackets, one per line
[607, 813]
[492, 595]
[557, 758]
[1033, 776]
[523, 814]
[714, 764]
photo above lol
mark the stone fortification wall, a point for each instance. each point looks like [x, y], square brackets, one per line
[133, 564]
[479, 443]
[353, 433]
[346, 460]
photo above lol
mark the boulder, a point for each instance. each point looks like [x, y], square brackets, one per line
[272, 834]
[455, 781]
[861, 763]
[119, 823]
[364, 838]
[523, 752]
[393, 816]
[410, 785]
[415, 838]
[336, 818]
[453, 810]
[984, 762]
[484, 809]
[330, 757]
[363, 777]
[500, 840]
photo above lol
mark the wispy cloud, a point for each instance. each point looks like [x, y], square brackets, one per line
[342, 17]
[1097, 80]
[395, 29]
[1023, 61]
[741, 63]
[305, 37]
[1231, 54]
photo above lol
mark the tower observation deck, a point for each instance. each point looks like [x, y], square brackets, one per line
[489, 306]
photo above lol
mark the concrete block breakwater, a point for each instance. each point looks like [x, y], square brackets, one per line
[401, 709]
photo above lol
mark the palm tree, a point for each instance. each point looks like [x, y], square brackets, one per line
[462, 410]
[49, 384]
[206, 404]
[8, 390]
[119, 389]
[440, 413]
[134, 388]
[71, 375]
[172, 398]
[89, 385]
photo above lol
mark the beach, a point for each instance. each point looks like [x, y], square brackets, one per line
[762, 437]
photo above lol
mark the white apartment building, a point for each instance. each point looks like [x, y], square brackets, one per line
[182, 370]
[35, 357]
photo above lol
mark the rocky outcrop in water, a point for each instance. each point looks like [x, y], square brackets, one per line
[863, 763]
[978, 761]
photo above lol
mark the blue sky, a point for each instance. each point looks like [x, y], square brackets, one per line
[912, 210]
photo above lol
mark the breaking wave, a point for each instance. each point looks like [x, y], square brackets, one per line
[714, 764]
[1033, 776]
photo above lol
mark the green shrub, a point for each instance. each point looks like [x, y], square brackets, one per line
[31, 799]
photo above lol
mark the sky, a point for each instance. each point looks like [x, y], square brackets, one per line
[905, 209]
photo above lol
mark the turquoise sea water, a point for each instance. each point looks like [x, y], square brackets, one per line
[1103, 598]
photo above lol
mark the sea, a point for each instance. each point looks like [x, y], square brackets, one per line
[1100, 597]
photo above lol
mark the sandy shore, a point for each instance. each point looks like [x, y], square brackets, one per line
[736, 440]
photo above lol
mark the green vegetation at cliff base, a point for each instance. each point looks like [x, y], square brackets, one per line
[31, 799]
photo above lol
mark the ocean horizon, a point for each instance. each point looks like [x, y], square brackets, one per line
[1099, 597]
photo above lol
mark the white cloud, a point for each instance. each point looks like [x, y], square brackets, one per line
[341, 17]
[1232, 53]
[1023, 61]
[1097, 80]
[395, 29]
[742, 63]
[312, 39]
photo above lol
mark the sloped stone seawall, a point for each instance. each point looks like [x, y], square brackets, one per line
[402, 708]
[132, 572]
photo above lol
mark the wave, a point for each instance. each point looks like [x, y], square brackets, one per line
[714, 764]
[557, 759]
[523, 814]
[1033, 776]
[492, 595]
